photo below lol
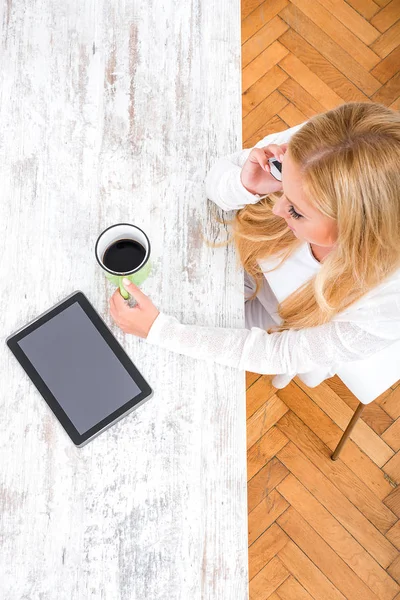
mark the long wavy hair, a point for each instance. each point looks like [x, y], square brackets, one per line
[349, 159]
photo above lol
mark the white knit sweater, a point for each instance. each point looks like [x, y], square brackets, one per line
[368, 326]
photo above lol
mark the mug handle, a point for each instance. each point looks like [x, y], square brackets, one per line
[122, 290]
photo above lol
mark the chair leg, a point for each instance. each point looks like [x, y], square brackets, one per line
[348, 431]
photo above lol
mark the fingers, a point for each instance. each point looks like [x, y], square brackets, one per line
[135, 291]
[276, 151]
[262, 155]
[116, 299]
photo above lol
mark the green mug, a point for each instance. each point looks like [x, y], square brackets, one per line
[117, 233]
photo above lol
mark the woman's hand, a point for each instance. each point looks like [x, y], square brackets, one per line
[255, 174]
[137, 320]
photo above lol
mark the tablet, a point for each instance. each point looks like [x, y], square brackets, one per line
[80, 369]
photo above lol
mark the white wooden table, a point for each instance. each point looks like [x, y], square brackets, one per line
[114, 111]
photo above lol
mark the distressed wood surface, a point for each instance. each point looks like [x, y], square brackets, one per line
[114, 111]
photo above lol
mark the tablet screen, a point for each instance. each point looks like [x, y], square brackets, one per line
[79, 367]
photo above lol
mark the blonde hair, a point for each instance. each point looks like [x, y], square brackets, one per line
[349, 158]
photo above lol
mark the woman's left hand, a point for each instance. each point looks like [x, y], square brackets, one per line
[138, 319]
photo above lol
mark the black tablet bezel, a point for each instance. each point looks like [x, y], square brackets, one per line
[145, 390]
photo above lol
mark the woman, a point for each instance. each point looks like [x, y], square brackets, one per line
[321, 250]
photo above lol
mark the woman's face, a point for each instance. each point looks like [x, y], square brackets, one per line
[311, 226]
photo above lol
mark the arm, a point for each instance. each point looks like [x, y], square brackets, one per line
[259, 352]
[223, 185]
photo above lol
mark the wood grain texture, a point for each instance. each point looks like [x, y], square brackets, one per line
[265, 548]
[337, 537]
[330, 434]
[337, 504]
[307, 574]
[292, 590]
[353, 487]
[328, 561]
[340, 413]
[114, 112]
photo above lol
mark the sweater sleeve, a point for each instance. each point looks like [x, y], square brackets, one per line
[223, 185]
[255, 350]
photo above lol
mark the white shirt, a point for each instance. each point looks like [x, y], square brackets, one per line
[280, 283]
[313, 353]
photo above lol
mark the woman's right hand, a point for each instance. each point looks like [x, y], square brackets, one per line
[255, 175]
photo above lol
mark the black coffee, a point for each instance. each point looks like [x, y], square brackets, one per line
[123, 256]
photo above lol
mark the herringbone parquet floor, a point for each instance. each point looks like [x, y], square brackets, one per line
[320, 529]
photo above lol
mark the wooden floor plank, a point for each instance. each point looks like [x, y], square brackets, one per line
[292, 115]
[372, 414]
[296, 94]
[262, 39]
[268, 579]
[387, 17]
[393, 535]
[262, 113]
[322, 67]
[392, 501]
[382, 2]
[352, 486]
[388, 41]
[388, 92]
[264, 418]
[352, 20]
[366, 8]
[248, 6]
[310, 82]
[341, 59]
[272, 126]
[391, 404]
[262, 88]
[265, 449]
[265, 548]
[292, 590]
[338, 505]
[323, 426]
[262, 15]
[310, 577]
[265, 513]
[387, 67]
[394, 569]
[366, 439]
[328, 561]
[262, 63]
[251, 378]
[392, 435]
[337, 32]
[259, 393]
[338, 538]
[264, 482]
[392, 468]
